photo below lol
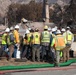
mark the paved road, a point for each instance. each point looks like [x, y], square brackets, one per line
[71, 70]
[58, 72]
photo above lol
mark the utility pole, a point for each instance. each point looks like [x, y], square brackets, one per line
[45, 11]
[6, 22]
[33, 0]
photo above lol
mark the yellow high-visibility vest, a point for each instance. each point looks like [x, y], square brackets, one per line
[36, 38]
[29, 38]
[69, 36]
[45, 37]
[4, 40]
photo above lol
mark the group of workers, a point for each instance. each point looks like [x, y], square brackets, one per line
[50, 44]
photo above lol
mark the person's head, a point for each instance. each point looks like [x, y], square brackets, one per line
[31, 30]
[53, 30]
[7, 30]
[45, 28]
[68, 28]
[36, 30]
[49, 29]
[11, 29]
[58, 32]
[63, 30]
[17, 27]
[26, 36]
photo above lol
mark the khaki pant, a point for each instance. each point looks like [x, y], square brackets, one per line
[57, 57]
[11, 50]
[36, 52]
[66, 53]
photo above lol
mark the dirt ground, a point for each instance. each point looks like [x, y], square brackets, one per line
[4, 62]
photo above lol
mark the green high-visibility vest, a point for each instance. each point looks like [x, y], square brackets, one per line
[46, 37]
[4, 40]
[69, 37]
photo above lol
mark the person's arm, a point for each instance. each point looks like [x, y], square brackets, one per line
[53, 42]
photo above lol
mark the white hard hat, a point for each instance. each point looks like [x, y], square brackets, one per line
[17, 27]
[63, 29]
[29, 28]
[45, 27]
[11, 28]
[27, 31]
[7, 30]
[68, 27]
[49, 28]
[53, 29]
[24, 20]
[58, 32]
[56, 27]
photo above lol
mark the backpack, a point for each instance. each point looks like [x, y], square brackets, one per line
[11, 38]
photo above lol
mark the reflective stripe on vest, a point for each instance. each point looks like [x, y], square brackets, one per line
[46, 36]
[36, 38]
[4, 38]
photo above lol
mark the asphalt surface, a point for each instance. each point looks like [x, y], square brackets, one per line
[69, 70]
[58, 72]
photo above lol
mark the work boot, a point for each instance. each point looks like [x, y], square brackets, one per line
[56, 65]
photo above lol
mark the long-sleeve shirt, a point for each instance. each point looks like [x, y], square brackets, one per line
[16, 36]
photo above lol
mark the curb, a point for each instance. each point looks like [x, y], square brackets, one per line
[39, 69]
[36, 66]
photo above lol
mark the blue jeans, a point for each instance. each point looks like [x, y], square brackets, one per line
[15, 51]
[4, 47]
[24, 52]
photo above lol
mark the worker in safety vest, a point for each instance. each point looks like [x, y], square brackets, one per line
[64, 51]
[60, 42]
[4, 42]
[70, 38]
[52, 50]
[11, 43]
[25, 50]
[45, 41]
[36, 45]
[63, 31]
[16, 40]
[31, 40]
